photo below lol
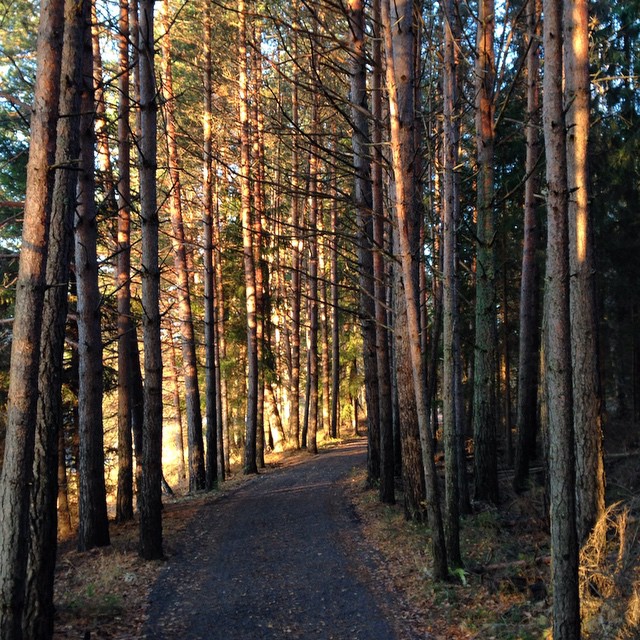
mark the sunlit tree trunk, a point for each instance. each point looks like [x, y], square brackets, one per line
[335, 321]
[528, 335]
[214, 470]
[38, 613]
[387, 466]
[93, 530]
[17, 469]
[564, 544]
[151, 494]
[251, 425]
[124, 499]
[399, 46]
[587, 398]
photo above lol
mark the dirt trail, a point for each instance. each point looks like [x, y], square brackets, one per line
[277, 558]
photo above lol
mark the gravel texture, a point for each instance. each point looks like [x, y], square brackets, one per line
[277, 558]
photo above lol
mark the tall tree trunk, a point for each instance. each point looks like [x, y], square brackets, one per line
[211, 383]
[296, 244]
[484, 378]
[93, 530]
[197, 477]
[151, 494]
[17, 469]
[587, 397]
[38, 612]
[124, 499]
[360, 141]
[564, 544]
[387, 463]
[335, 321]
[450, 210]
[399, 46]
[529, 317]
[251, 426]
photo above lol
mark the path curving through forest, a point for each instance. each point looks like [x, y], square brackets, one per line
[276, 559]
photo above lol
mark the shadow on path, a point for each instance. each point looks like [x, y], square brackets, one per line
[270, 562]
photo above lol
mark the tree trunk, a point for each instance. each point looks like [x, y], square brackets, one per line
[484, 387]
[335, 323]
[360, 142]
[214, 470]
[17, 469]
[151, 494]
[564, 544]
[250, 462]
[387, 463]
[93, 529]
[587, 397]
[529, 316]
[39, 610]
[399, 46]
[124, 499]
[450, 210]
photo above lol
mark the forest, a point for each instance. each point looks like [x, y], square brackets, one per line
[230, 228]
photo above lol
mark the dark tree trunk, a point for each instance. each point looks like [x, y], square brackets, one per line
[93, 529]
[151, 480]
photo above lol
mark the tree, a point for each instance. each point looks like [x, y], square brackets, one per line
[400, 71]
[124, 499]
[151, 498]
[484, 379]
[93, 530]
[529, 300]
[564, 544]
[587, 416]
[251, 426]
[39, 610]
[25, 354]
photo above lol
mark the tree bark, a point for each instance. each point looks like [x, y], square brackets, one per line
[39, 609]
[450, 210]
[93, 529]
[484, 378]
[529, 316]
[587, 397]
[564, 544]
[124, 498]
[251, 425]
[400, 77]
[151, 494]
[17, 469]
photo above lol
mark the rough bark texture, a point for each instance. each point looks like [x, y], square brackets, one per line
[564, 547]
[124, 499]
[587, 397]
[529, 316]
[399, 46]
[251, 425]
[25, 351]
[214, 469]
[360, 142]
[151, 481]
[484, 388]
[93, 526]
[39, 610]
[385, 406]
[450, 208]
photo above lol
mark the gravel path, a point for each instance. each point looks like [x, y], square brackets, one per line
[276, 559]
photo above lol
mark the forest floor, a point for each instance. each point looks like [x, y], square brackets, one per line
[379, 561]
